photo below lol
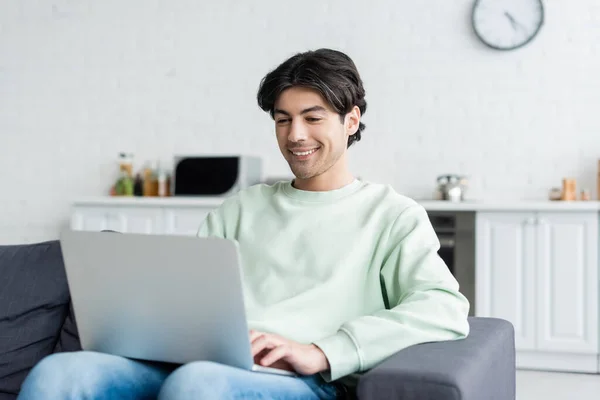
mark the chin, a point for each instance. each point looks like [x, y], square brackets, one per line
[306, 172]
[304, 175]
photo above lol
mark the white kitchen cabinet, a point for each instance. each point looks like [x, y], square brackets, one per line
[121, 219]
[134, 220]
[147, 216]
[539, 270]
[184, 221]
[505, 272]
[94, 219]
[567, 270]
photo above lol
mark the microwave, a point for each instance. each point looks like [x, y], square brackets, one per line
[203, 175]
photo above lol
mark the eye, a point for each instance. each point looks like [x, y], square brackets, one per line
[312, 119]
[282, 121]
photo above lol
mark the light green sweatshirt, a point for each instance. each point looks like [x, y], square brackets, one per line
[354, 271]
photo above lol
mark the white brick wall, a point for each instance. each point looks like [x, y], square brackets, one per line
[82, 80]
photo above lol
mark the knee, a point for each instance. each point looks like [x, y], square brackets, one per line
[60, 373]
[201, 379]
[49, 371]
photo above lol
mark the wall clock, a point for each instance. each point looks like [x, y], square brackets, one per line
[507, 24]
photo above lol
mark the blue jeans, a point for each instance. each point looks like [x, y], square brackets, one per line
[91, 375]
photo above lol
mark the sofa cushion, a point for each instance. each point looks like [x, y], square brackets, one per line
[34, 303]
[69, 337]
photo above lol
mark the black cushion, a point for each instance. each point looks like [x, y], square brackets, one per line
[34, 303]
[69, 337]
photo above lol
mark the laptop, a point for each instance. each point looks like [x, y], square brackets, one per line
[174, 299]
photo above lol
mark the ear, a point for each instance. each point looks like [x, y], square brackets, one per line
[352, 121]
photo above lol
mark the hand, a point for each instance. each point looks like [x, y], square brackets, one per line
[271, 350]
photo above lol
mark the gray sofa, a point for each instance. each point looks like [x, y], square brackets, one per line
[36, 320]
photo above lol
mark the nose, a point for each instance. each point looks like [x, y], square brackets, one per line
[298, 131]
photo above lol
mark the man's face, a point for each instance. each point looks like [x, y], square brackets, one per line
[311, 136]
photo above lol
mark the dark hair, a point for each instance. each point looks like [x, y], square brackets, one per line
[330, 72]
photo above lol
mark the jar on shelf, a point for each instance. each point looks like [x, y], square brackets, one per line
[126, 164]
[555, 194]
[586, 195]
[569, 192]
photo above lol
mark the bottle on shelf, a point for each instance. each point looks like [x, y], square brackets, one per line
[162, 182]
[124, 183]
[126, 164]
[124, 186]
[138, 185]
[150, 185]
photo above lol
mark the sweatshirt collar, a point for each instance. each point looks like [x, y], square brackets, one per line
[322, 196]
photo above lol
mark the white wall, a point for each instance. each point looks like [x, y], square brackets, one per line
[82, 80]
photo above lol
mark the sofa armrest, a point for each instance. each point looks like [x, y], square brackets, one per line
[481, 366]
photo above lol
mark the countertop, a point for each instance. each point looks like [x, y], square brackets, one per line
[430, 205]
[511, 205]
[178, 201]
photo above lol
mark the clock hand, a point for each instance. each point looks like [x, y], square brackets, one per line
[511, 19]
[513, 22]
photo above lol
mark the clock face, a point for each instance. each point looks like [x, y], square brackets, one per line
[507, 24]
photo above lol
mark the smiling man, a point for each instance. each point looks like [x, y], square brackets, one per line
[338, 273]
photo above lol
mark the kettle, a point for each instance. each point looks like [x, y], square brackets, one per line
[451, 187]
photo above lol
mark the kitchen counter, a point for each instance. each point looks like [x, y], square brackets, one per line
[430, 205]
[179, 201]
[510, 205]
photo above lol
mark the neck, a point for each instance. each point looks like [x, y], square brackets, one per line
[334, 178]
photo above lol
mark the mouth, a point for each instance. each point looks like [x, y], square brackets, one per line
[303, 154]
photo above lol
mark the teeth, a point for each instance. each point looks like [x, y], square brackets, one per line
[304, 153]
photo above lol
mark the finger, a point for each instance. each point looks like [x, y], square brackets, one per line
[260, 355]
[278, 353]
[254, 334]
[262, 343]
[270, 337]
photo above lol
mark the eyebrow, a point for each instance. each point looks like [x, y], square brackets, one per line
[306, 110]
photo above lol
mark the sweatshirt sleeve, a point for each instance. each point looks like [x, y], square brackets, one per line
[212, 226]
[222, 222]
[422, 300]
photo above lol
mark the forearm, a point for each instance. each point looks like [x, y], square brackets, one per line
[427, 315]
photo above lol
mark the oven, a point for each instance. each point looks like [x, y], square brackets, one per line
[456, 233]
